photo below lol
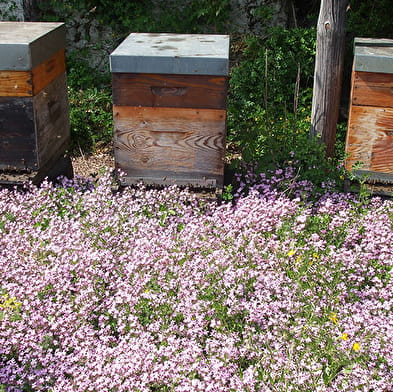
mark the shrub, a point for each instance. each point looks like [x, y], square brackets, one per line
[90, 101]
[91, 119]
[270, 106]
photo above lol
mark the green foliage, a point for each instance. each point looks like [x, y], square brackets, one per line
[144, 16]
[269, 65]
[227, 194]
[270, 104]
[91, 118]
[213, 14]
[81, 75]
[8, 12]
[370, 18]
[90, 102]
[263, 88]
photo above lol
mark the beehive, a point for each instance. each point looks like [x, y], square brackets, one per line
[34, 117]
[169, 108]
[369, 143]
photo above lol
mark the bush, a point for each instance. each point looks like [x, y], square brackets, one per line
[264, 90]
[90, 100]
[270, 105]
[369, 18]
[91, 119]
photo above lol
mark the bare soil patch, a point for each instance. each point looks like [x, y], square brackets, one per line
[88, 165]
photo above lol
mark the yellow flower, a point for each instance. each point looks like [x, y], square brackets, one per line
[356, 346]
[9, 303]
[291, 253]
[344, 336]
[315, 255]
[333, 318]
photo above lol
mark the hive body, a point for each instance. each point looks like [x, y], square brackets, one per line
[34, 119]
[369, 143]
[169, 108]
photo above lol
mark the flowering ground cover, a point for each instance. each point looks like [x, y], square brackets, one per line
[154, 291]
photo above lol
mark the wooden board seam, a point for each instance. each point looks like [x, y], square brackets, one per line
[30, 83]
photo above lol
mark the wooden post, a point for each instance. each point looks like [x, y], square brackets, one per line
[328, 71]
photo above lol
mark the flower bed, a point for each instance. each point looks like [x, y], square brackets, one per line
[153, 291]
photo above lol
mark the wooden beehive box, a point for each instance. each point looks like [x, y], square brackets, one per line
[34, 117]
[169, 108]
[370, 129]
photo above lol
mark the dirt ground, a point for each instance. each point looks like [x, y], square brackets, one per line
[89, 165]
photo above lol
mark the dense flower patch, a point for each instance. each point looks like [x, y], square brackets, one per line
[154, 291]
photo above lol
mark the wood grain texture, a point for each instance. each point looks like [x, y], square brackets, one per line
[18, 149]
[30, 83]
[372, 89]
[52, 120]
[48, 71]
[52, 170]
[370, 139]
[163, 90]
[15, 84]
[329, 61]
[163, 143]
[34, 130]
[168, 179]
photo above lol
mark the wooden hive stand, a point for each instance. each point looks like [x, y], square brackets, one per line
[369, 143]
[169, 108]
[34, 116]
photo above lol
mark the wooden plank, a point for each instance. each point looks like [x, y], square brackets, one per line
[15, 84]
[372, 89]
[373, 79]
[164, 90]
[170, 142]
[155, 177]
[52, 120]
[52, 170]
[17, 134]
[48, 71]
[370, 139]
[29, 83]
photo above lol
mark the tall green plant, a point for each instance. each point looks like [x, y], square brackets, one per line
[270, 104]
[91, 118]
[273, 77]
[371, 18]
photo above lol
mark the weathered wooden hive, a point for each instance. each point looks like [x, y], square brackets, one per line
[370, 129]
[169, 108]
[34, 116]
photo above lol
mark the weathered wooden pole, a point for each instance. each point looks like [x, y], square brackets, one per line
[328, 71]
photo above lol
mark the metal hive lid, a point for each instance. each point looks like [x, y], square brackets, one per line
[373, 55]
[186, 54]
[24, 45]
